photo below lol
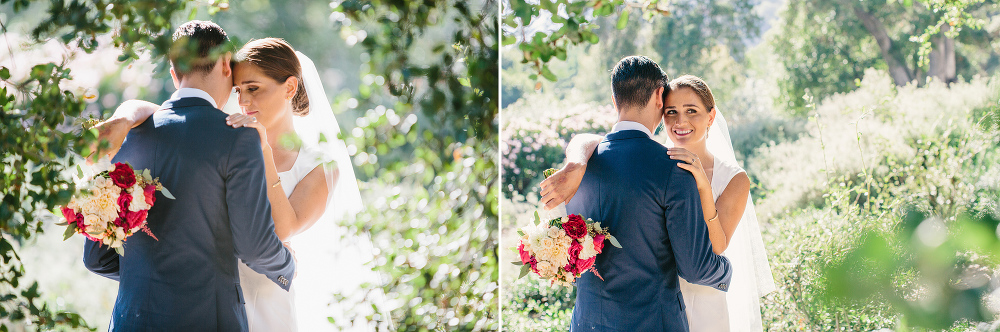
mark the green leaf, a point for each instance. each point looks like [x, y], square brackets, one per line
[79, 171]
[464, 81]
[524, 270]
[614, 241]
[69, 232]
[519, 232]
[548, 74]
[4, 73]
[166, 193]
[194, 13]
[120, 250]
[146, 175]
[518, 263]
[622, 20]
[538, 220]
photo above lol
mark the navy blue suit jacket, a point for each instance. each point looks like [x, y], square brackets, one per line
[188, 280]
[652, 207]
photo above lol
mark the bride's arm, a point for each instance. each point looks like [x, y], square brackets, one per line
[721, 216]
[562, 185]
[127, 116]
[296, 213]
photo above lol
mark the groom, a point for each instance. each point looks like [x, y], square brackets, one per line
[188, 280]
[652, 206]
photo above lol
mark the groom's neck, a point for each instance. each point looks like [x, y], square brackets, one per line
[203, 85]
[646, 117]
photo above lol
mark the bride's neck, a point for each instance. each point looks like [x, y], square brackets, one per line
[700, 149]
[280, 128]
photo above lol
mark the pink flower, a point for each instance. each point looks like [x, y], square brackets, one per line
[123, 176]
[576, 228]
[599, 243]
[70, 215]
[136, 218]
[525, 256]
[150, 193]
[124, 200]
[585, 264]
[574, 258]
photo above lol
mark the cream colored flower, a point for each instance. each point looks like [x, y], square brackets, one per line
[588, 250]
[555, 232]
[138, 199]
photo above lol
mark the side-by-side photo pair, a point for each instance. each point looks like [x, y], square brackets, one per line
[511, 165]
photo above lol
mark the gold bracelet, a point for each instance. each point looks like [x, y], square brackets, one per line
[713, 218]
[275, 185]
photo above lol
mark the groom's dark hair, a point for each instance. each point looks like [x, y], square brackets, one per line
[634, 79]
[197, 46]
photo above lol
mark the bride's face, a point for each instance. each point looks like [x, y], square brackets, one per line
[260, 95]
[685, 117]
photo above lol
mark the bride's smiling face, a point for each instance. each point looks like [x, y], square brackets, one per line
[685, 117]
[260, 95]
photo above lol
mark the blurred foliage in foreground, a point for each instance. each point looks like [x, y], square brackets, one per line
[436, 226]
[432, 151]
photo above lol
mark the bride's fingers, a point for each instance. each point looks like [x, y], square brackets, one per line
[686, 167]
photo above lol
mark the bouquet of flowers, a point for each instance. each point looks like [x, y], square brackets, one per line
[563, 248]
[113, 204]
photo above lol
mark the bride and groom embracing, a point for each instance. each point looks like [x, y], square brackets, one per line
[695, 259]
[222, 259]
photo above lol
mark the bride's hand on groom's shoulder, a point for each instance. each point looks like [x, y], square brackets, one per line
[689, 162]
[243, 120]
[562, 185]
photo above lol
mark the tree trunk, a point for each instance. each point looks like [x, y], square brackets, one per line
[901, 75]
[942, 57]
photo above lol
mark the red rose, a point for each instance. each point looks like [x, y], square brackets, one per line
[79, 221]
[69, 214]
[124, 200]
[574, 258]
[123, 176]
[525, 256]
[599, 243]
[534, 265]
[121, 222]
[136, 218]
[150, 193]
[576, 228]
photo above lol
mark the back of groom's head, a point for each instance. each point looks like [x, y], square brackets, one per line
[634, 79]
[196, 47]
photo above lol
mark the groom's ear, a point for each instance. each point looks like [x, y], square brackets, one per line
[658, 98]
[173, 75]
[227, 65]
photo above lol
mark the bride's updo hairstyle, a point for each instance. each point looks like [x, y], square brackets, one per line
[697, 85]
[276, 59]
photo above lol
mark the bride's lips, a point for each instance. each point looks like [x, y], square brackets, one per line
[251, 113]
[683, 133]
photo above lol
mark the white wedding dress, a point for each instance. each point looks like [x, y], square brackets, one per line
[712, 310]
[330, 262]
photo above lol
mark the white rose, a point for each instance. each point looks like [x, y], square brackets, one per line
[588, 250]
[138, 199]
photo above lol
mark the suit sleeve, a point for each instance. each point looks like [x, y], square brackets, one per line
[688, 234]
[250, 212]
[101, 259]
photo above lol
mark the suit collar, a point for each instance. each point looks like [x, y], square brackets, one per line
[625, 134]
[186, 102]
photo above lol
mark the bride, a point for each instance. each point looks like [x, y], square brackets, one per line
[699, 137]
[282, 97]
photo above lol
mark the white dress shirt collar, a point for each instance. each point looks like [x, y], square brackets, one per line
[631, 125]
[192, 92]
